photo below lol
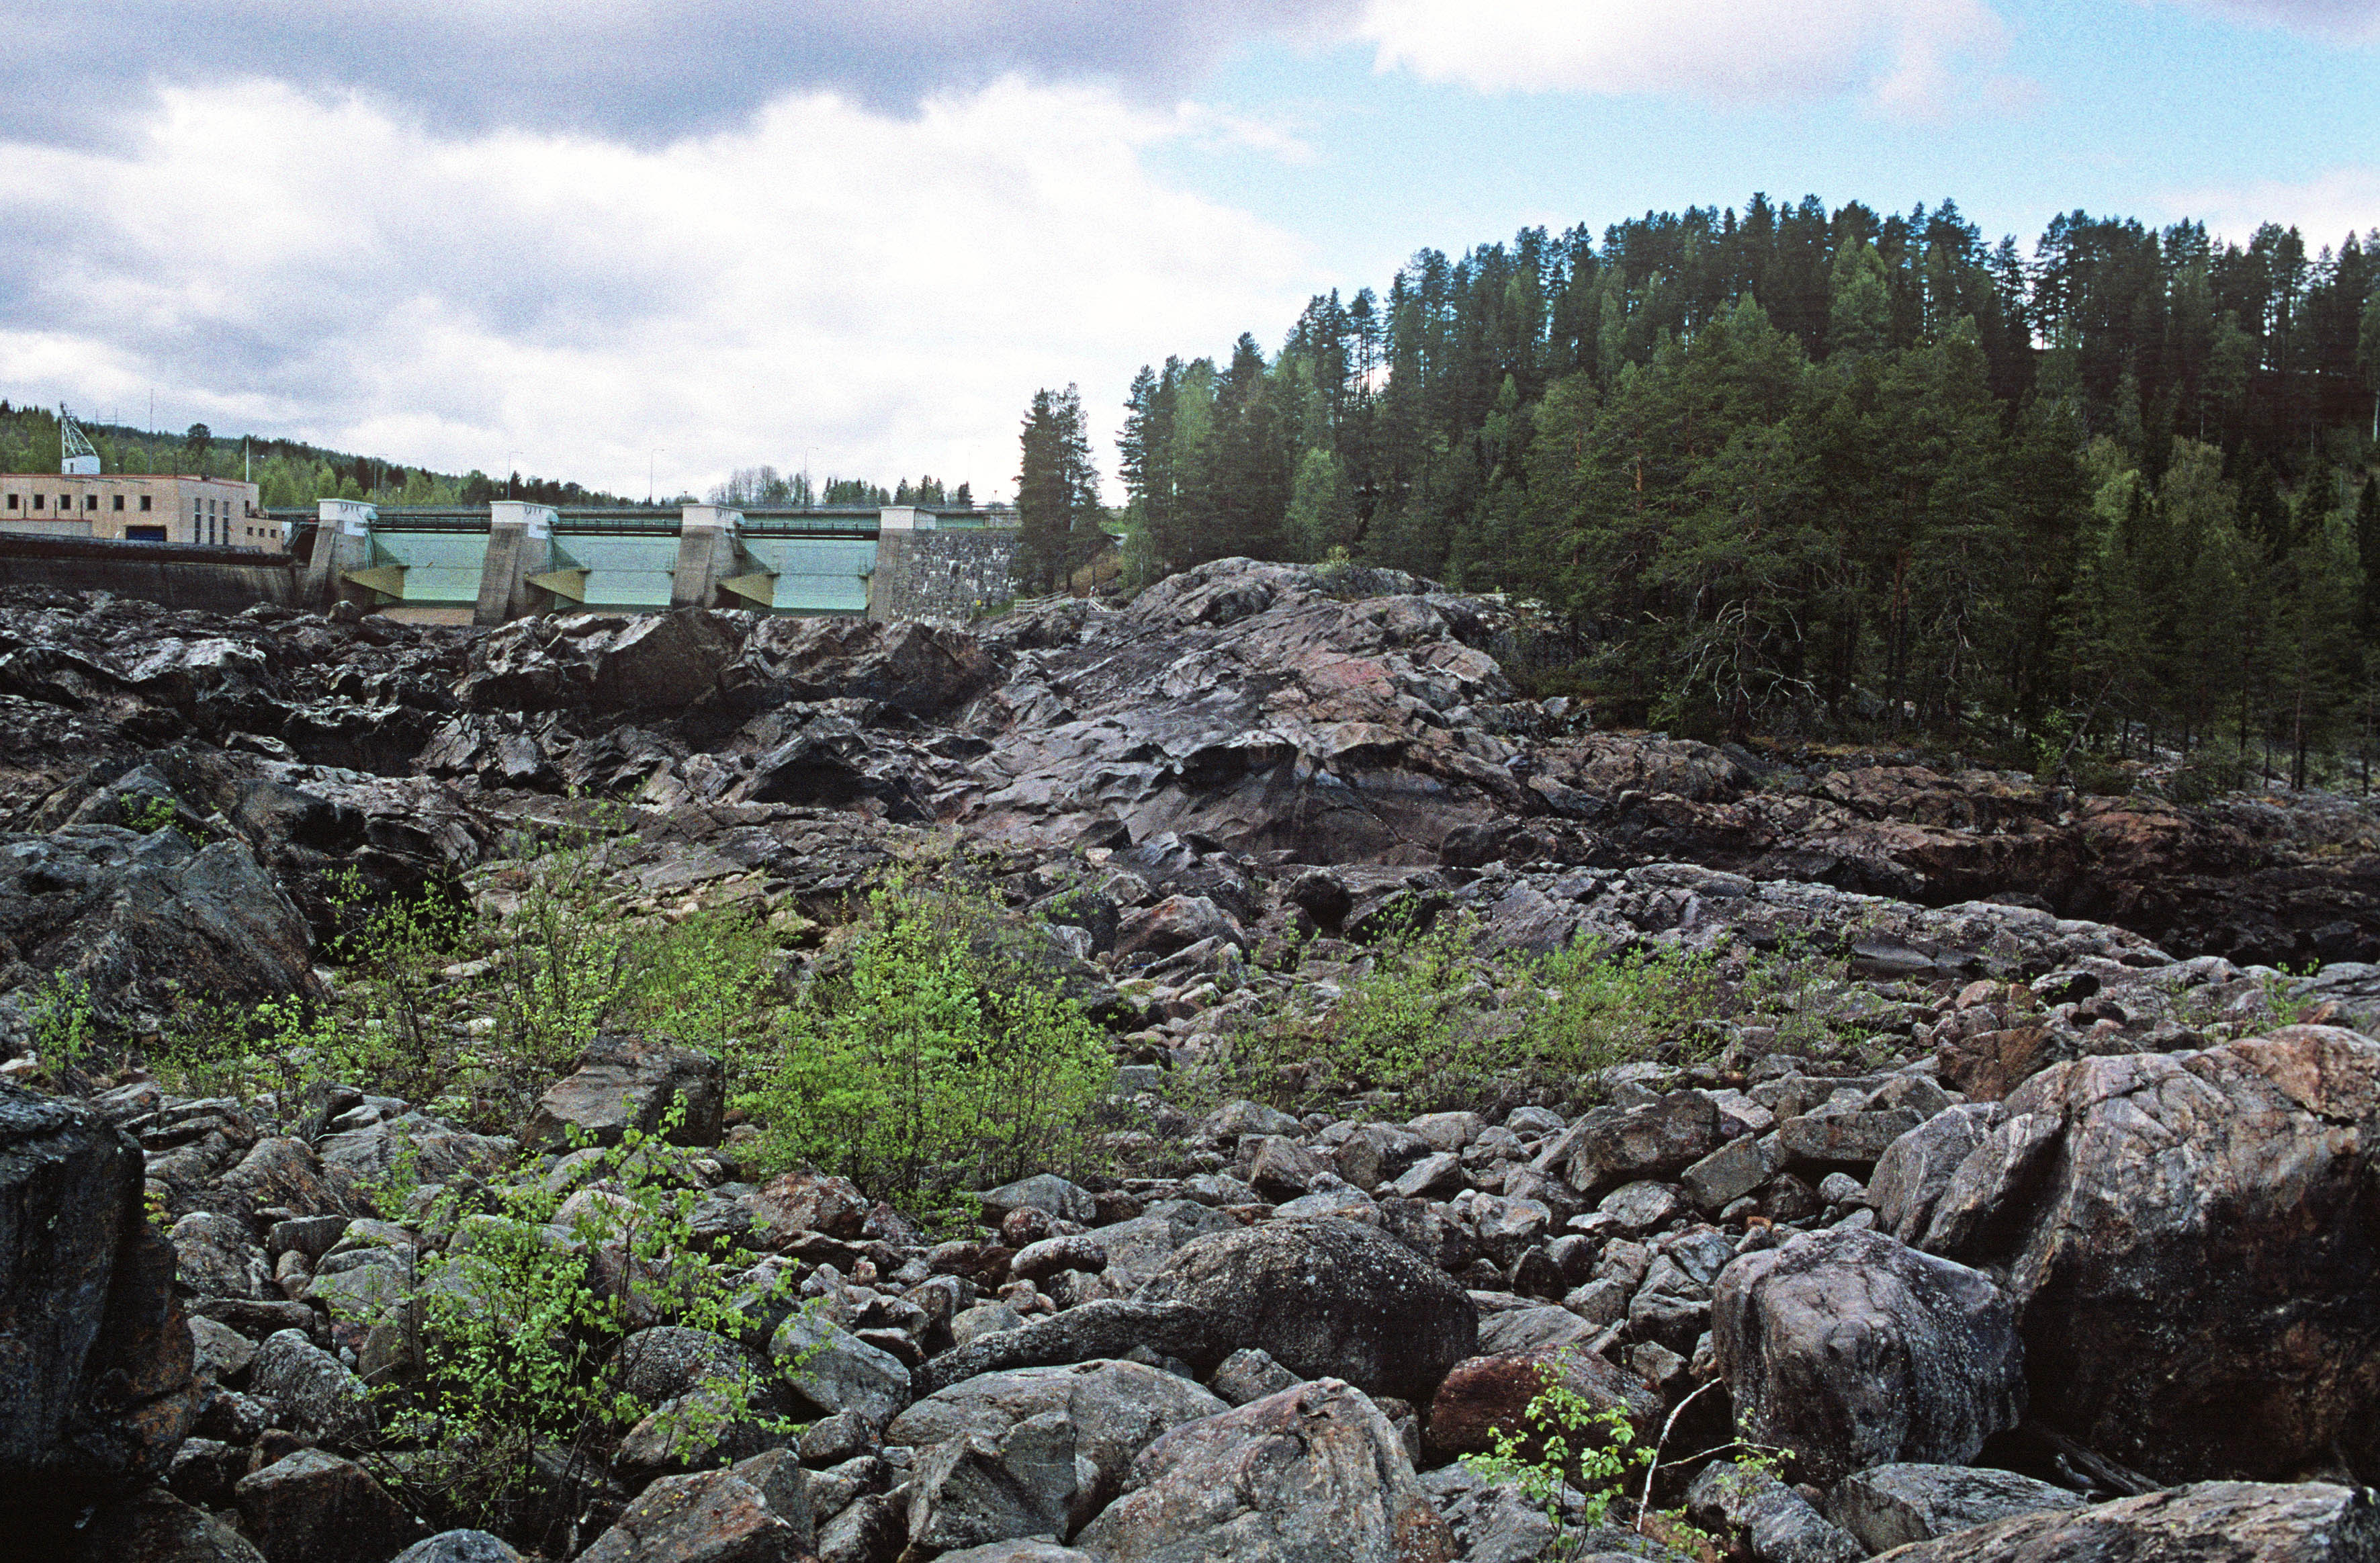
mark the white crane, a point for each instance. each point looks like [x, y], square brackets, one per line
[75, 458]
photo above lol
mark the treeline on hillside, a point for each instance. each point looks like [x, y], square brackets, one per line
[288, 473]
[766, 486]
[1838, 474]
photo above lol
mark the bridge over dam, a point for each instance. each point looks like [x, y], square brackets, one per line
[510, 560]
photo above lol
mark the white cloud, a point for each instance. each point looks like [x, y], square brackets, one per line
[1912, 57]
[885, 292]
[634, 70]
[2324, 209]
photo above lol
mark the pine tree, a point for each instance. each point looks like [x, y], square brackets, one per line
[1060, 518]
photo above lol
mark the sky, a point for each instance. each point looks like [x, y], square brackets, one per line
[603, 239]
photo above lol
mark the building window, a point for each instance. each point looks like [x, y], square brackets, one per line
[119, 502]
[90, 501]
[37, 501]
[144, 501]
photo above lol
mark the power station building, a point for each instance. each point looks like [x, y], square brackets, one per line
[79, 501]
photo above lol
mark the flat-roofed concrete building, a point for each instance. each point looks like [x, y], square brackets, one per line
[137, 507]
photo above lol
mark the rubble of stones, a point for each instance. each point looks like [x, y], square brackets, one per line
[2070, 1254]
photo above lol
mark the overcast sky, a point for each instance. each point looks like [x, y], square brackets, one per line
[564, 235]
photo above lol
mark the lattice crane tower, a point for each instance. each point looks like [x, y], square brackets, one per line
[75, 458]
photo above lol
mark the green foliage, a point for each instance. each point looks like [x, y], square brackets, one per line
[65, 1028]
[564, 960]
[705, 981]
[392, 1031]
[939, 1061]
[480, 1044]
[516, 1354]
[1437, 1023]
[1564, 1446]
[1397, 1026]
[147, 813]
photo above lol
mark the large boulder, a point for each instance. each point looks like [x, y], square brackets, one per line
[1776, 1518]
[2195, 1240]
[152, 1526]
[1852, 1350]
[1889, 1505]
[96, 1382]
[1023, 1481]
[320, 1395]
[1107, 1326]
[601, 663]
[833, 1370]
[1325, 1297]
[1314, 1474]
[1614, 1146]
[1113, 1409]
[2211, 1523]
[755, 1511]
[315, 1507]
[625, 1083]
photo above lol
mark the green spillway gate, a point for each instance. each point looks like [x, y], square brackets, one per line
[428, 564]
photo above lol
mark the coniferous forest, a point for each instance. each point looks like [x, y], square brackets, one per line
[1837, 474]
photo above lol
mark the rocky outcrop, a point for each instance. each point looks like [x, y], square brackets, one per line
[315, 1507]
[757, 1512]
[96, 1387]
[1110, 1411]
[1889, 1505]
[140, 923]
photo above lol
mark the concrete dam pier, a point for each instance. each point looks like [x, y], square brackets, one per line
[516, 559]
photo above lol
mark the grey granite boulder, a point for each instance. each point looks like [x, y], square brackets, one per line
[1853, 1349]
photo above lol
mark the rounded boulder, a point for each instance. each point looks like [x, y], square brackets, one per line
[1326, 1298]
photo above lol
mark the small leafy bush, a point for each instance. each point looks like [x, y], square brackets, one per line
[64, 1020]
[1564, 1446]
[1602, 1007]
[519, 1389]
[942, 1061]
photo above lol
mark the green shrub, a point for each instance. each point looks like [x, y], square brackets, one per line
[1565, 1442]
[1602, 1008]
[59, 1009]
[146, 812]
[1398, 1025]
[518, 1388]
[1440, 1025]
[706, 981]
[561, 961]
[942, 1061]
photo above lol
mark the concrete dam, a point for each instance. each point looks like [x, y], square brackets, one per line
[513, 559]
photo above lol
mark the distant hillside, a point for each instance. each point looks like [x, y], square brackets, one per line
[292, 473]
[289, 472]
